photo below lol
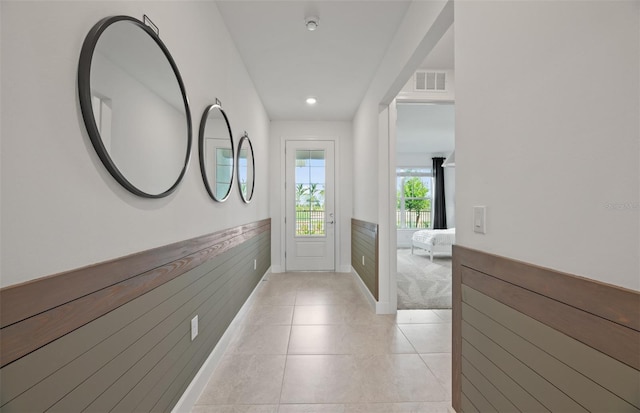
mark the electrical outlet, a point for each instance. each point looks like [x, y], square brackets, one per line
[194, 328]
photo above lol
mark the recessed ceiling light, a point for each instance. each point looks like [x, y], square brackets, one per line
[312, 23]
[311, 101]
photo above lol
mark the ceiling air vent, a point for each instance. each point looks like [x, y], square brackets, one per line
[430, 81]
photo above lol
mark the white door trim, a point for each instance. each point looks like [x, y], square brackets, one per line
[337, 198]
[310, 252]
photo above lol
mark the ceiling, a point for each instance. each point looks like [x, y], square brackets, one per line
[425, 128]
[335, 63]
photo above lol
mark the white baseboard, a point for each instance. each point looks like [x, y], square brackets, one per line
[383, 307]
[276, 269]
[364, 288]
[197, 385]
[345, 268]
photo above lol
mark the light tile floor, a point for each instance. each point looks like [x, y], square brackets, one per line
[311, 343]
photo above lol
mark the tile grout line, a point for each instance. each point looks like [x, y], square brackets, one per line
[422, 359]
[286, 356]
[419, 356]
[407, 338]
[434, 374]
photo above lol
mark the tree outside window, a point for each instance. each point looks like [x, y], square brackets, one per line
[414, 198]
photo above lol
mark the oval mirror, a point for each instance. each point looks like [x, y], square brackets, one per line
[134, 106]
[217, 158]
[246, 168]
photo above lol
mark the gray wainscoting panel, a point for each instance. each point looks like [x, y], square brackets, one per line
[364, 243]
[139, 357]
[518, 396]
[532, 339]
[501, 345]
[484, 386]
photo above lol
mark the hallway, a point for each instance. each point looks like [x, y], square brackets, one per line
[311, 343]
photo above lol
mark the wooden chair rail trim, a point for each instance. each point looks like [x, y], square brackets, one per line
[365, 225]
[21, 301]
[614, 303]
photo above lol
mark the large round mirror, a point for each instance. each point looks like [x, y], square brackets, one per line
[217, 158]
[246, 168]
[134, 106]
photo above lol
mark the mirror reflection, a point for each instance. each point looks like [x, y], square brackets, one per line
[217, 158]
[135, 106]
[246, 168]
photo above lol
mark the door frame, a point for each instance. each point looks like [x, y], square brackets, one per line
[336, 197]
[301, 249]
[393, 238]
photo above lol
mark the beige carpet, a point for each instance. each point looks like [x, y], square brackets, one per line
[422, 283]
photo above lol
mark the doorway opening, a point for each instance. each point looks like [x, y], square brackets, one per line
[424, 139]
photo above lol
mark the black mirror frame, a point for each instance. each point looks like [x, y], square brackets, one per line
[203, 123]
[84, 94]
[249, 196]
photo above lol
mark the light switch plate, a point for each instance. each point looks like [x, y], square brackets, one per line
[480, 219]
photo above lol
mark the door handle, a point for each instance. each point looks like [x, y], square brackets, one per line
[329, 222]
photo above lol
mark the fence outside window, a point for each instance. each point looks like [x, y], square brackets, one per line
[413, 219]
[310, 222]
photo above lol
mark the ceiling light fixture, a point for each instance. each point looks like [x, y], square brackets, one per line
[312, 23]
[311, 100]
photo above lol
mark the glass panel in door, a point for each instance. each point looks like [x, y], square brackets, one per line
[310, 193]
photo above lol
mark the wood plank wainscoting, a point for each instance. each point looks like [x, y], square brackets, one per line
[526, 338]
[116, 335]
[364, 253]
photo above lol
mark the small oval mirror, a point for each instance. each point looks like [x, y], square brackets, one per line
[134, 106]
[217, 158]
[246, 168]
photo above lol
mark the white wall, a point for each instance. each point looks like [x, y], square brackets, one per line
[340, 132]
[1, 133]
[450, 196]
[547, 133]
[365, 162]
[60, 208]
[415, 159]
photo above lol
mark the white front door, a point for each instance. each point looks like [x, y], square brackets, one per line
[309, 214]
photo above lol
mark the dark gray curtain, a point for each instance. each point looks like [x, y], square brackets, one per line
[439, 206]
